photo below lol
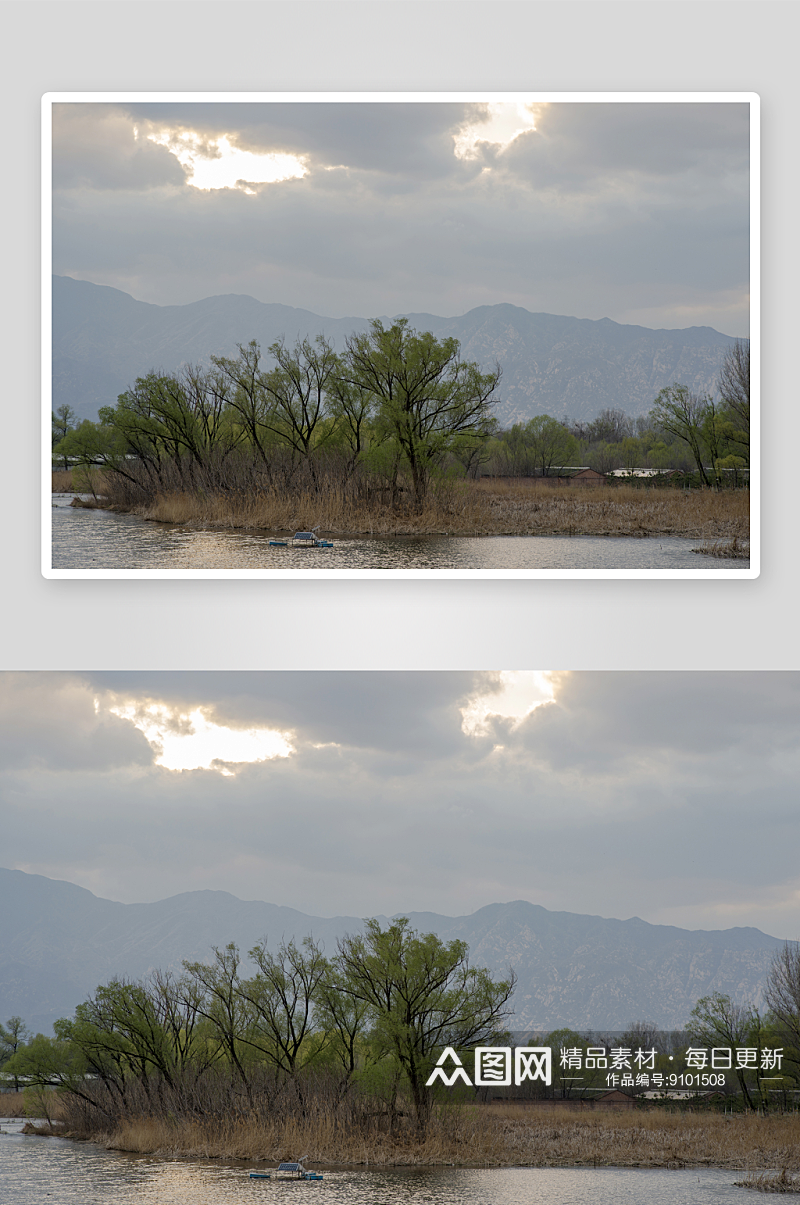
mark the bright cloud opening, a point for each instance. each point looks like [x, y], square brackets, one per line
[217, 164]
[506, 122]
[193, 742]
[520, 693]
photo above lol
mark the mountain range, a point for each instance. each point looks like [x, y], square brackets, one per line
[58, 942]
[570, 368]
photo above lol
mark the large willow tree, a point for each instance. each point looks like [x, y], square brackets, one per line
[427, 398]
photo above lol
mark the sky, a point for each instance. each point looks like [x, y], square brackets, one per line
[638, 212]
[665, 795]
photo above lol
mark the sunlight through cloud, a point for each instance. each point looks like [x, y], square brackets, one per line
[506, 122]
[193, 742]
[216, 164]
[520, 693]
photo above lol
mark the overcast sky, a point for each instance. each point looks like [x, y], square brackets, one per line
[668, 796]
[637, 212]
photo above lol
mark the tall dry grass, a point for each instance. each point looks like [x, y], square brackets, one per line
[486, 1136]
[726, 550]
[323, 1141]
[82, 481]
[62, 481]
[12, 1104]
[619, 510]
[473, 509]
[770, 1182]
[653, 1137]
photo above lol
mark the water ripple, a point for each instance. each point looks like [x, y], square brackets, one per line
[35, 1169]
[91, 539]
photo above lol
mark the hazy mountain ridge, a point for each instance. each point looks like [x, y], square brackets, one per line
[567, 367]
[59, 941]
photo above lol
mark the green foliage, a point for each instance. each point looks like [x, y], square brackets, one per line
[421, 995]
[288, 404]
[427, 399]
[48, 1062]
[565, 1080]
[376, 1014]
[551, 445]
[13, 1036]
[91, 444]
[396, 409]
[395, 402]
[342, 1018]
[683, 414]
[539, 447]
[717, 436]
[218, 1000]
[63, 422]
[177, 420]
[280, 998]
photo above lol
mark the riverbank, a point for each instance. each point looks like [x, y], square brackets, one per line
[472, 509]
[497, 1136]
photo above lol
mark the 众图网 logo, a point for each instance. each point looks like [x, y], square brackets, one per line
[493, 1065]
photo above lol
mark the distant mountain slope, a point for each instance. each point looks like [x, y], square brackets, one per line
[59, 941]
[568, 367]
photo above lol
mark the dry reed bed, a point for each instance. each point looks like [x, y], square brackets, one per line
[771, 1183]
[654, 1138]
[726, 550]
[472, 1137]
[474, 510]
[68, 481]
[622, 511]
[62, 481]
[12, 1104]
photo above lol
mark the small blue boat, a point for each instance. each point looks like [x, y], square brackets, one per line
[309, 539]
[289, 1171]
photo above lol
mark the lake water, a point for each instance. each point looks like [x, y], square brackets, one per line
[33, 1170]
[98, 540]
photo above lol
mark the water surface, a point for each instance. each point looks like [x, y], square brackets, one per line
[36, 1169]
[97, 540]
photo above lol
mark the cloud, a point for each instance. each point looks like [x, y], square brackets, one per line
[49, 722]
[667, 796]
[408, 712]
[579, 146]
[413, 140]
[95, 147]
[604, 211]
[604, 718]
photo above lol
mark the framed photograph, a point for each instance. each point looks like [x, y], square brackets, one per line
[452, 936]
[400, 334]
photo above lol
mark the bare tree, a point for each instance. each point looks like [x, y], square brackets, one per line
[219, 1001]
[281, 998]
[782, 993]
[641, 1035]
[13, 1037]
[717, 1021]
[611, 425]
[734, 389]
[682, 413]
